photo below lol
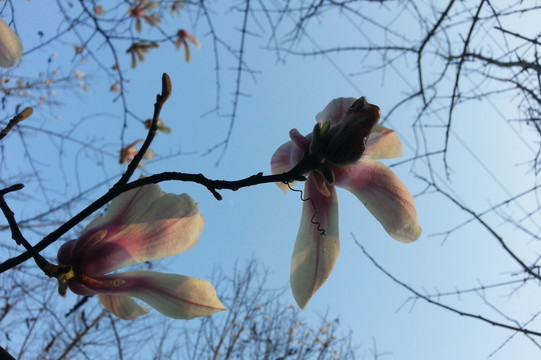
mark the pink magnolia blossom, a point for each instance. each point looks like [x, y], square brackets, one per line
[140, 225]
[11, 49]
[128, 152]
[138, 51]
[161, 126]
[182, 39]
[139, 11]
[346, 143]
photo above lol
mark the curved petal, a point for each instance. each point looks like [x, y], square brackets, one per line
[335, 110]
[281, 162]
[384, 195]
[80, 289]
[123, 306]
[11, 49]
[383, 143]
[129, 206]
[302, 142]
[176, 296]
[64, 253]
[287, 156]
[317, 246]
[168, 226]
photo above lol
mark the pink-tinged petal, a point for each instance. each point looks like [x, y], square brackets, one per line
[169, 225]
[302, 142]
[383, 143]
[11, 49]
[123, 306]
[129, 206]
[176, 296]
[321, 185]
[281, 162]
[281, 159]
[64, 253]
[315, 253]
[384, 195]
[80, 289]
[284, 159]
[187, 55]
[335, 110]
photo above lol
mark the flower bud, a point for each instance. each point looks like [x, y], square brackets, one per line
[11, 49]
[345, 142]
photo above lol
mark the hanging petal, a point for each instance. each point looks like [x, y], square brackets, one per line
[384, 195]
[123, 306]
[187, 55]
[335, 110]
[315, 252]
[176, 296]
[383, 143]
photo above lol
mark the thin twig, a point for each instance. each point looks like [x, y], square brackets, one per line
[433, 302]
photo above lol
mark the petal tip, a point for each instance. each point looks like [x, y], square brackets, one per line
[301, 299]
[407, 234]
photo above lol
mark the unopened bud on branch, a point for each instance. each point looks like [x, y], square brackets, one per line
[344, 143]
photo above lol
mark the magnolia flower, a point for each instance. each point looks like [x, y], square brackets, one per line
[11, 49]
[161, 126]
[138, 51]
[140, 225]
[128, 152]
[345, 145]
[182, 37]
[139, 11]
[175, 7]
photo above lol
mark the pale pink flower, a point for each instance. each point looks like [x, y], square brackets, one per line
[182, 39]
[161, 126]
[11, 49]
[138, 51]
[128, 152]
[140, 225]
[139, 11]
[175, 7]
[346, 143]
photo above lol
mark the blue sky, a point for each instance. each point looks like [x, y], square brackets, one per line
[262, 222]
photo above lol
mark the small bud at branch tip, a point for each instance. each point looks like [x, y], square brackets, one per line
[166, 87]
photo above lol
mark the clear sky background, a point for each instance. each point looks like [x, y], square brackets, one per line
[489, 158]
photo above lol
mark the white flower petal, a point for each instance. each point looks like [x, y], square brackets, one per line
[176, 296]
[383, 143]
[315, 252]
[335, 110]
[384, 195]
[123, 306]
[11, 49]
[281, 162]
[129, 206]
[157, 225]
